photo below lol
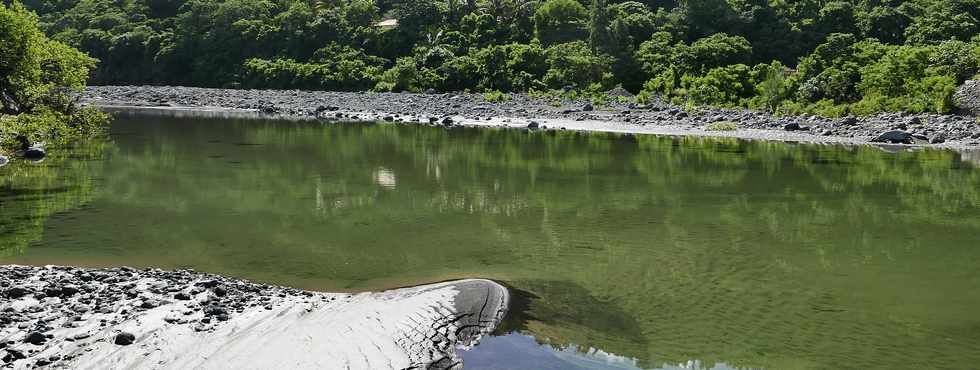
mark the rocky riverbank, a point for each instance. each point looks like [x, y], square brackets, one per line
[952, 131]
[65, 317]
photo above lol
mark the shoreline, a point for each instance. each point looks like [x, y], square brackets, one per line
[67, 317]
[525, 112]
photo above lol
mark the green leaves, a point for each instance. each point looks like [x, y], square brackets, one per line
[560, 21]
[38, 82]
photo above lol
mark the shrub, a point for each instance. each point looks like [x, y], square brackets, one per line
[496, 96]
[721, 126]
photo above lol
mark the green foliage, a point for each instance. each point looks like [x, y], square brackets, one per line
[39, 81]
[334, 67]
[560, 21]
[721, 126]
[496, 96]
[832, 56]
[574, 65]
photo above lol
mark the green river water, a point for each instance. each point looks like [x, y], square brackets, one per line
[652, 251]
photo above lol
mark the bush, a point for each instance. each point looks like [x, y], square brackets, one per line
[574, 65]
[496, 96]
[721, 126]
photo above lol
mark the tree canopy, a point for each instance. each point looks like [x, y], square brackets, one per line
[836, 57]
[39, 79]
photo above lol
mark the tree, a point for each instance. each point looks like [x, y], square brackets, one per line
[560, 21]
[39, 79]
[599, 27]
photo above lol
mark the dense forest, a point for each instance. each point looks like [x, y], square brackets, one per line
[788, 56]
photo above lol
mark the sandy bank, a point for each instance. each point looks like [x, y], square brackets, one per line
[63, 317]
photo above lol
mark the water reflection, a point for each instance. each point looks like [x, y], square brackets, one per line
[663, 250]
[515, 351]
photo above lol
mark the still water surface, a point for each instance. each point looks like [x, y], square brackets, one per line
[624, 251]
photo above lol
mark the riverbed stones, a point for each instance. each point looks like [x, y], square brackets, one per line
[250, 323]
[16, 292]
[894, 137]
[125, 339]
[523, 107]
[36, 338]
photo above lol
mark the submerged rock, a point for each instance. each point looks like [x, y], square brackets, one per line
[35, 153]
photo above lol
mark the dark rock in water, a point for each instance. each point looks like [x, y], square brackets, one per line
[938, 139]
[448, 121]
[533, 125]
[849, 121]
[220, 291]
[587, 107]
[915, 121]
[269, 109]
[36, 338]
[792, 126]
[16, 292]
[389, 118]
[35, 153]
[182, 296]
[125, 339]
[894, 137]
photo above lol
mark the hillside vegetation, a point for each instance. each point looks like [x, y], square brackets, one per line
[828, 57]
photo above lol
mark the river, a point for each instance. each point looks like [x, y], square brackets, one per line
[623, 251]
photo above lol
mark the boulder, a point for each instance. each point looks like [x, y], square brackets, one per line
[36, 338]
[967, 97]
[4, 160]
[894, 137]
[587, 107]
[619, 92]
[125, 339]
